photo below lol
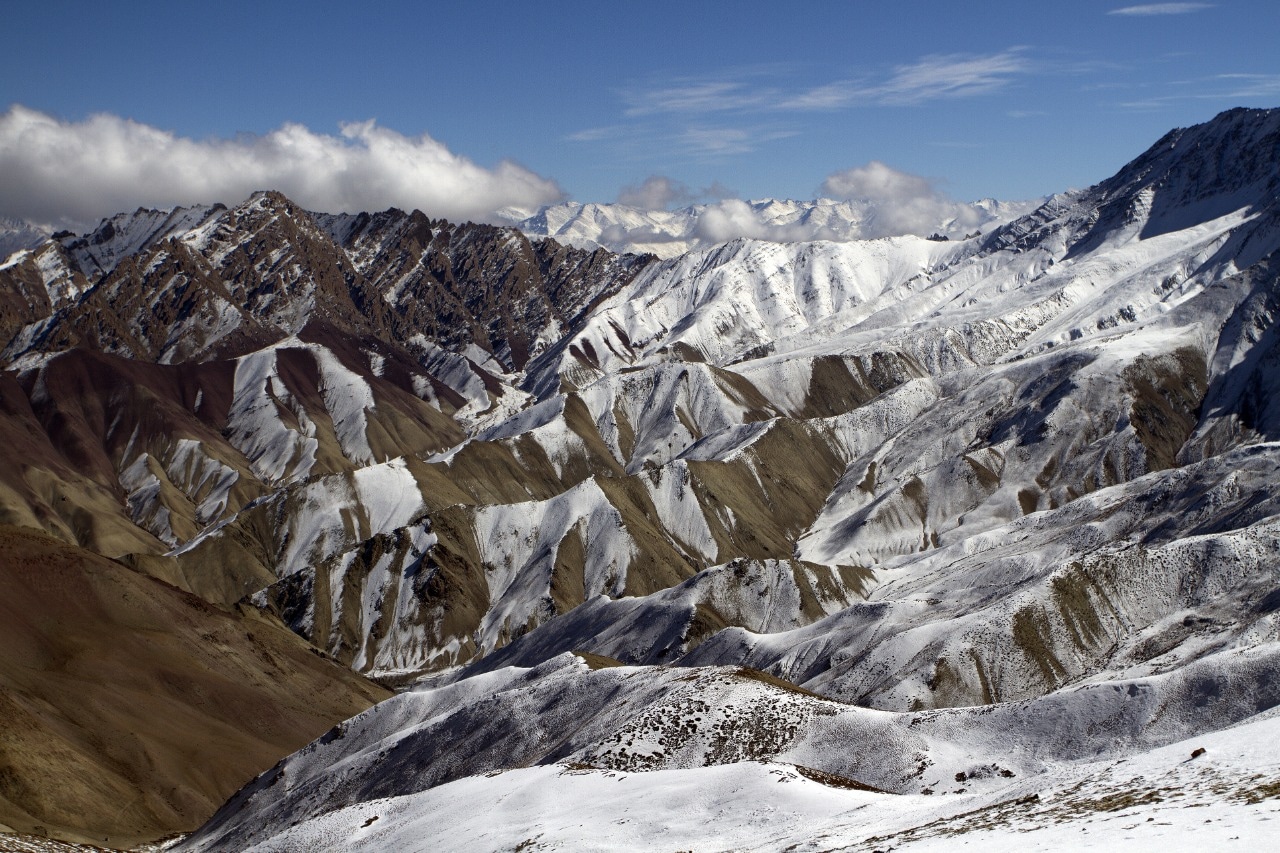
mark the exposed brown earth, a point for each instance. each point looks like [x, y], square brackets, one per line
[132, 710]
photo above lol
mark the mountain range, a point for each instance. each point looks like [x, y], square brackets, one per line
[668, 233]
[844, 543]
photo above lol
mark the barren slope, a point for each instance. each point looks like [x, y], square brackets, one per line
[131, 709]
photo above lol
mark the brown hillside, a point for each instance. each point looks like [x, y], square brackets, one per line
[129, 709]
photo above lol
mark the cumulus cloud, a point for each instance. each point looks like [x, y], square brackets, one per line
[876, 182]
[732, 218]
[899, 202]
[866, 202]
[77, 172]
[656, 192]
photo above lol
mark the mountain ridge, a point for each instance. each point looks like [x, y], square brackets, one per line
[1030, 472]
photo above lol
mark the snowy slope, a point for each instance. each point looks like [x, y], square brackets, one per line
[876, 410]
[856, 772]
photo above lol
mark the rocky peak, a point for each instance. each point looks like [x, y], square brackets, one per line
[126, 234]
[1190, 175]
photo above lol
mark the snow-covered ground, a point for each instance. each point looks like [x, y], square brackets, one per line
[1218, 790]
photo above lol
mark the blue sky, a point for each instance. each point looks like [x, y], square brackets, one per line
[583, 100]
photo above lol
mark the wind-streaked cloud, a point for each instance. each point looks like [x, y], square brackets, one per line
[1249, 85]
[692, 96]
[714, 142]
[1149, 9]
[952, 76]
[931, 78]
[75, 172]
[1226, 89]
[739, 111]
[596, 134]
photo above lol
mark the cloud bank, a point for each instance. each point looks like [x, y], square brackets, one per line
[77, 172]
[865, 202]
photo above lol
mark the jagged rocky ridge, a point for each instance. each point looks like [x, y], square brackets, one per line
[1035, 467]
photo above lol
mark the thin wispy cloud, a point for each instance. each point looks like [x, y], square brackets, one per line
[697, 97]
[725, 141]
[1228, 89]
[952, 76]
[931, 78]
[1149, 9]
[1251, 85]
[739, 111]
[53, 170]
[595, 134]
[718, 140]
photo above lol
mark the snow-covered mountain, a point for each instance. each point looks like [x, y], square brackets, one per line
[894, 517]
[668, 233]
[17, 234]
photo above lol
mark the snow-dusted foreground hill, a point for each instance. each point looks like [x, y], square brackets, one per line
[722, 759]
[1161, 801]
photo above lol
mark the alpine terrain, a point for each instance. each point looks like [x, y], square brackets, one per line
[667, 233]
[839, 544]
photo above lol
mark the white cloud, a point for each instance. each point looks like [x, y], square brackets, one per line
[732, 218]
[58, 171]
[1161, 9]
[595, 134]
[865, 202]
[931, 78]
[657, 192]
[718, 140]
[725, 141]
[899, 202]
[876, 182]
[952, 76]
[689, 96]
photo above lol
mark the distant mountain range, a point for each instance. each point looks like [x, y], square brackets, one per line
[839, 542]
[15, 235]
[667, 233]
